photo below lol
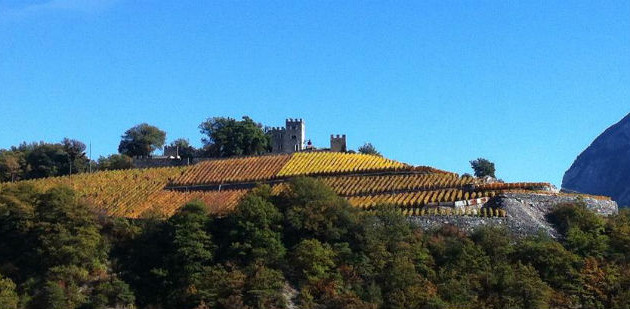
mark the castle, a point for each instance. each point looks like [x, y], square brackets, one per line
[292, 138]
[288, 139]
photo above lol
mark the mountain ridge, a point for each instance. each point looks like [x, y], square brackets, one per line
[604, 166]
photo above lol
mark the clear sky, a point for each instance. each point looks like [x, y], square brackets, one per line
[526, 84]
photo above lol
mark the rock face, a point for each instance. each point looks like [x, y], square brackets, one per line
[604, 167]
[526, 213]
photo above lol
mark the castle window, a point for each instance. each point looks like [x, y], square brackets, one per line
[293, 137]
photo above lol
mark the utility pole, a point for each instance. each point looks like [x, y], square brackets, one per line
[90, 158]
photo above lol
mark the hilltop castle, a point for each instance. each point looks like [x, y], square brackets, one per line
[288, 139]
[292, 138]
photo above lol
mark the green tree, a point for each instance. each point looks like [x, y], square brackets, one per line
[583, 230]
[53, 296]
[191, 250]
[313, 210]
[68, 232]
[226, 137]
[368, 148]
[11, 165]
[483, 167]
[113, 293]
[78, 161]
[257, 230]
[141, 140]
[264, 287]
[221, 287]
[313, 260]
[38, 160]
[516, 286]
[618, 227]
[46, 160]
[8, 296]
[556, 265]
[184, 148]
[496, 241]
[115, 162]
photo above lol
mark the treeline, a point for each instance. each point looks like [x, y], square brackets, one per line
[222, 137]
[38, 160]
[306, 247]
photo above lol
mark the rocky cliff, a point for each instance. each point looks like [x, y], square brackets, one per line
[604, 167]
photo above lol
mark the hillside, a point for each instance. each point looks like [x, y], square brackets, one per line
[364, 180]
[604, 167]
[306, 242]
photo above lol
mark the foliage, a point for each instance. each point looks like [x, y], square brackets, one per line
[227, 137]
[369, 149]
[8, 296]
[141, 140]
[53, 249]
[115, 162]
[618, 229]
[38, 160]
[313, 210]
[483, 167]
[257, 230]
[10, 165]
[583, 229]
[303, 241]
[184, 149]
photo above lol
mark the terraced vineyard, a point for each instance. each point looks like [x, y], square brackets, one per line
[514, 185]
[233, 170]
[116, 193]
[359, 185]
[365, 180]
[165, 202]
[417, 198]
[322, 163]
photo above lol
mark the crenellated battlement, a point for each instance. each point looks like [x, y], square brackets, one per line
[338, 143]
[292, 138]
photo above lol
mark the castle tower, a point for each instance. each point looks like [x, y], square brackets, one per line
[277, 139]
[295, 135]
[338, 143]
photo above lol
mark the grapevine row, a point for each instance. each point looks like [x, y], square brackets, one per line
[233, 170]
[357, 185]
[322, 163]
[448, 211]
[513, 185]
[113, 192]
[417, 198]
[167, 202]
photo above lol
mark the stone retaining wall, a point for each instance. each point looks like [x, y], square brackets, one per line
[526, 213]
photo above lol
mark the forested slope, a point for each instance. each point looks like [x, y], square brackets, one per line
[56, 252]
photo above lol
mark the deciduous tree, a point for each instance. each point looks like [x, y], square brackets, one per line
[141, 140]
[483, 167]
[226, 137]
[368, 148]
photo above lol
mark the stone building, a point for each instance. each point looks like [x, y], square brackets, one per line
[171, 152]
[338, 143]
[290, 138]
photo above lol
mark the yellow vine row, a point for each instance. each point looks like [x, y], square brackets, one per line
[355, 185]
[233, 170]
[321, 163]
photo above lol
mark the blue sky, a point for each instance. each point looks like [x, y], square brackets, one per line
[526, 84]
